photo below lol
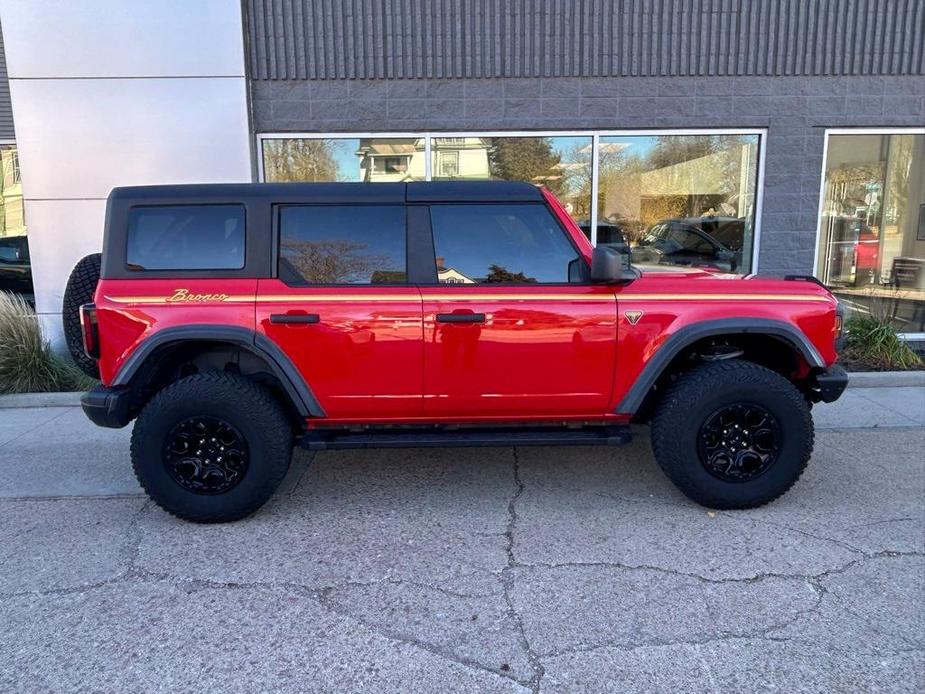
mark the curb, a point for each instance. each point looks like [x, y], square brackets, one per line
[885, 379]
[24, 400]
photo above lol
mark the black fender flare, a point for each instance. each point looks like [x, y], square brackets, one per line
[689, 334]
[282, 367]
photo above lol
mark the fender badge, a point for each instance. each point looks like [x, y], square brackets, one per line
[633, 316]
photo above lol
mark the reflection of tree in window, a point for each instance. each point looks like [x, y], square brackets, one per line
[340, 262]
[299, 159]
[530, 159]
[497, 273]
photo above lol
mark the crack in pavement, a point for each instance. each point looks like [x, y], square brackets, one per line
[805, 533]
[707, 579]
[507, 580]
[323, 599]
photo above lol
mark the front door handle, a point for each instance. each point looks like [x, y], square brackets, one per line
[283, 318]
[460, 317]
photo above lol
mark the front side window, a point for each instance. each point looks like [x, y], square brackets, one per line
[340, 244]
[186, 237]
[518, 243]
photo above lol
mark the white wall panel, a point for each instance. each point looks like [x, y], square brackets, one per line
[80, 138]
[123, 38]
[61, 232]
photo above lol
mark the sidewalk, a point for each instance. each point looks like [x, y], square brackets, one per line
[515, 570]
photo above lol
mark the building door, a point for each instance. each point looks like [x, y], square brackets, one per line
[511, 329]
[341, 309]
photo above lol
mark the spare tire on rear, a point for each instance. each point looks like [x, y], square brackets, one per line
[81, 286]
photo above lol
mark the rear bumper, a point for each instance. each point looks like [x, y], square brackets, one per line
[831, 383]
[107, 407]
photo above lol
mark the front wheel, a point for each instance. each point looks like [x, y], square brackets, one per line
[732, 434]
[212, 447]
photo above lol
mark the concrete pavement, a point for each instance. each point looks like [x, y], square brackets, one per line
[551, 569]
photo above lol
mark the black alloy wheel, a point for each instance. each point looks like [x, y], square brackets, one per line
[206, 455]
[739, 442]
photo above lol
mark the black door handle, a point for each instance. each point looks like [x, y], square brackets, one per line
[460, 317]
[277, 318]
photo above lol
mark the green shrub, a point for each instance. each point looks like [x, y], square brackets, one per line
[873, 342]
[27, 363]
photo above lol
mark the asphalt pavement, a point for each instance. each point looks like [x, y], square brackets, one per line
[544, 569]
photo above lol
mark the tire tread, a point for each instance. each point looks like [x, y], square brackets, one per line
[261, 405]
[674, 407]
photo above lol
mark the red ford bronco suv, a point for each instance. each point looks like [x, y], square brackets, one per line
[232, 321]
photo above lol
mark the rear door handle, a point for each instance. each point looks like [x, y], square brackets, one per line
[278, 318]
[460, 317]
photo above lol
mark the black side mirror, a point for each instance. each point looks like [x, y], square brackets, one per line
[611, 264]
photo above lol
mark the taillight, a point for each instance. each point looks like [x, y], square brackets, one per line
[90, 331]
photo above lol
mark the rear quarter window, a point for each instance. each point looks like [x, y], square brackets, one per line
[186, 237]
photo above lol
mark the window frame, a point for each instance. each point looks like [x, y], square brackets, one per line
[594, 134]
[277, 245]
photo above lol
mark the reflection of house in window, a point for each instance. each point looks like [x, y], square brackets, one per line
[717, 183]
[449, 275]
[461, 157]
[12, 215]
[391, 160]
[448, 164]
[721, 183]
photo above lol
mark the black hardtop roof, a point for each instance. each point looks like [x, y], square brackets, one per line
[430, 191]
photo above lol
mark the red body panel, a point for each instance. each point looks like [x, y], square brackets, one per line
[549, 352]
[363, 358]
[542, 351]
[130, 311]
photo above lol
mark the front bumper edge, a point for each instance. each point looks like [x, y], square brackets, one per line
[831, 383]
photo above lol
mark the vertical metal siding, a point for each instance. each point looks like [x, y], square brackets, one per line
[337, 39]
[6, 108]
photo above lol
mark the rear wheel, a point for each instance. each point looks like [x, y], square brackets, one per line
[732, 434]
[212, 447]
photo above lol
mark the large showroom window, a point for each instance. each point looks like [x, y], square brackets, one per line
[676, 198]
[871, 244]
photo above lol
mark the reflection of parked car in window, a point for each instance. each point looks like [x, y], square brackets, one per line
[709, 242]
[15, 268]
[608, 233]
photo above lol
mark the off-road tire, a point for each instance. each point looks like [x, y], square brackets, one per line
[80, 288]
[690, 401]
[245, 405]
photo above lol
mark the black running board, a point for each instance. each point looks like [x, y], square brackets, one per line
[320, 440]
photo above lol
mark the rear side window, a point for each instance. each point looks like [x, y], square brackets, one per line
[342, 244]
[186, 237]
[518, 243]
